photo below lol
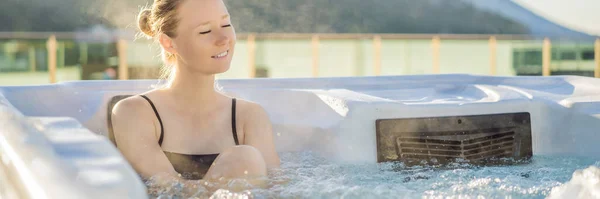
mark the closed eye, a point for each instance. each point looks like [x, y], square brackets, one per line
[206, 32]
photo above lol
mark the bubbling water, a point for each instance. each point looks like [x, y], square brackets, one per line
[307, 175]
[584, 184]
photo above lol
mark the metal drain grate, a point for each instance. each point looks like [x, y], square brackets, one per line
[480, 139]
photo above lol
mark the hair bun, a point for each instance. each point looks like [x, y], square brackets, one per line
[144, 22]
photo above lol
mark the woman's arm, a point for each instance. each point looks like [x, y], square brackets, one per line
[258, 133]
[137, 138]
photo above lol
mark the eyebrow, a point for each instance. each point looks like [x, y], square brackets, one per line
[205, 23]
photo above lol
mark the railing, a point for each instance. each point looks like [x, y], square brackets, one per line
[122, 40]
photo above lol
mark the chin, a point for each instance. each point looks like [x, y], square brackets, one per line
[220, 69]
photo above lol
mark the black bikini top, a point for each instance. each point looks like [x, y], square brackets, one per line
[192, 166]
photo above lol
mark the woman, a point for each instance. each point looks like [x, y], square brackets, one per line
[188, 130]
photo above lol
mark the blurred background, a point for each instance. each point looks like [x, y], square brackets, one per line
[50, 41]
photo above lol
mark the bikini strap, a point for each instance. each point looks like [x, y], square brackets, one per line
[160, 140]
[233, 128]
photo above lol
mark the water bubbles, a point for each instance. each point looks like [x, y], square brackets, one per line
[585, 183]
[308, 175]
[226, 194]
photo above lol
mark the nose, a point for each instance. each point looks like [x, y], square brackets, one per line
[222, 39]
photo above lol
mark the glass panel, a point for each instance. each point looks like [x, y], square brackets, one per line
[568, 55]
[285, 58]
[23, 62]
[526, 55]
[463, 56]
[341, 57]
[68, 56]
[587, 55]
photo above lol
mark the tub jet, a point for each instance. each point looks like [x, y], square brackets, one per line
[493, 139]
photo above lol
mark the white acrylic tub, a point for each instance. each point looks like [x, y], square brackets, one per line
[53, 137]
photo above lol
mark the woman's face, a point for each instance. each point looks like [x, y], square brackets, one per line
[205, 38]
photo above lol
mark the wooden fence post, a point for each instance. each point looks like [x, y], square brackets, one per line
[546, 56]
[435, 43]
[51, 48]
[122, 53]
[493, 64]
[377, 55]
[315, 55]
[597, 58]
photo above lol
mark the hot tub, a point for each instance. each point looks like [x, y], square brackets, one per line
[54, 138]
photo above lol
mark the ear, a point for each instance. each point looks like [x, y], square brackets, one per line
[167, 43]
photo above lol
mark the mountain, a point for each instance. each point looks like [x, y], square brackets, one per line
[374, 16]
[538, 26]
[273, 16]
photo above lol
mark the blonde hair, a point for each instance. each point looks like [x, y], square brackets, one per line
[161, 18]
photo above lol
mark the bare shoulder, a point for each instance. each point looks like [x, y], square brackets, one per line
[254, 119]
[131, 106]
[251, 111]
[133, 115]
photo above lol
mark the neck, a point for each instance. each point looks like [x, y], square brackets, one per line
[189, 88]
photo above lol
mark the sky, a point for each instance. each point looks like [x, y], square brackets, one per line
[579, 15]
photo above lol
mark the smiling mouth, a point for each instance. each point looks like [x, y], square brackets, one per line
[221, 55]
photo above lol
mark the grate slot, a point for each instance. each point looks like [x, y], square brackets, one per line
[430, 146]
[415, 155]
[489, 155]
[491, 137]
[487, 148]
[433, 141]
[489, 142]
[436, 152]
